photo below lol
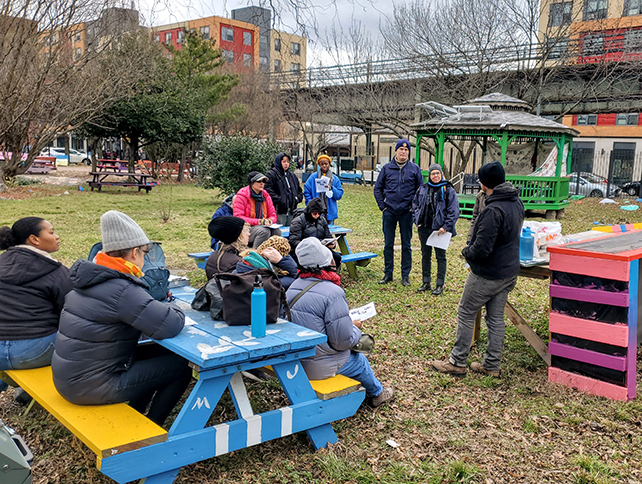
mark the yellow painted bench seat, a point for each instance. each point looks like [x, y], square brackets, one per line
[105, 429]
[332, 387]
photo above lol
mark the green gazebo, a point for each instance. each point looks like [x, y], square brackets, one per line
[507, 122]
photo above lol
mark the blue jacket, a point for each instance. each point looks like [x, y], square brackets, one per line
[445, 206]
[224, 209]
[310, 192]
[395, 188]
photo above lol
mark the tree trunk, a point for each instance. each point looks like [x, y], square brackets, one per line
[181, 166]
[133, 153]
[3, 187]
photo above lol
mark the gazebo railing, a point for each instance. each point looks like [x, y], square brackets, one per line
[537, 192]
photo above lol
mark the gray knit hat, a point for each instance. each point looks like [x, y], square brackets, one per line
[434, 167]
[312, 254]
[119, 232]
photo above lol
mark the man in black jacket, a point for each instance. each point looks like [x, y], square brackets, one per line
[493, 256]
[284, 189]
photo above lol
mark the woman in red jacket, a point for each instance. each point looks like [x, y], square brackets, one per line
[254, 205]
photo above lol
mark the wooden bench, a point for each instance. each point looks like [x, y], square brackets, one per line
[335, 386]
[106, 429]
[140, 180]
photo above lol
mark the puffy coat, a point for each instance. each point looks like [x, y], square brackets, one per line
[310, 192]
[324, 309]
[493, 252]
[305, 225]
[99, 330]
[444, 203]
[227, 263]
[243, 204]
[283, 186]
[224, 209]
[396, 187]
[32, 293]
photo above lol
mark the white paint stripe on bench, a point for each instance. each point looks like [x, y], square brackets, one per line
[222, 438]
[286, 421]
[254, 425]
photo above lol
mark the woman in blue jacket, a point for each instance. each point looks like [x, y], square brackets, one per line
[332, 195]
[434, 208]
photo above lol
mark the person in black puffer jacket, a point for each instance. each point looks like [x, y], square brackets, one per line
[33, 286]
[284, 189]
[97, 359]
[309, 224]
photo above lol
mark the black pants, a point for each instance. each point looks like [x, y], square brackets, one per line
[426, 256]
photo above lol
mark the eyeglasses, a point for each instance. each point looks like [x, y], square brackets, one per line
[315, 213]
[145, 250]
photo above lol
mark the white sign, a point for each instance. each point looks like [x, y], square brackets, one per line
[439, 241]
[322, 184]
[363, 312]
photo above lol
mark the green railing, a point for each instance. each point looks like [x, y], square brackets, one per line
[543, 193]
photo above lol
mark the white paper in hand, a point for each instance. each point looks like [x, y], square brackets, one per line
[439, 241]
[275, 226]
[322, 184]
[363, 312]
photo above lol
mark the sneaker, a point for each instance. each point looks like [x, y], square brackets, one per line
[405, 281]
[386, 279]
[424, 287]
[386, 395]
[448, 368]
[479, 368]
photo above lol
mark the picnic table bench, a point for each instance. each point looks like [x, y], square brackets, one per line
[140, 180]
[42, 164]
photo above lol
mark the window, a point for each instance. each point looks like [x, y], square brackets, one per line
[595, 9]
[593, 45]
[263, 62]
[247, 60]
[560, 14]
[228, 56]
[632, 7]
[633, 40]
[295, 67]
[627, 119]
[78, 53]
[205, 32]
[168, 37]
[277, 65]
[247, 38]
[557, 48]
[227, 34]
[277, 45]
[180, 35]
[587, 119]
[77, 37]
[295, 48]
[156, 37]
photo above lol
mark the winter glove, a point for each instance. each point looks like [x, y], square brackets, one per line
[328, 194]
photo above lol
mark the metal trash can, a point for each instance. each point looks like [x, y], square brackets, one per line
[15, 457]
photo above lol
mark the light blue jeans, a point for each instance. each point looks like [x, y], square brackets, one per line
[358, 367]
[25, 354]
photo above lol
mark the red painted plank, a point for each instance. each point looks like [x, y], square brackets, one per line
[590, 266]
[587, 356]
[612, 334]
[590, 295]
[586, 384]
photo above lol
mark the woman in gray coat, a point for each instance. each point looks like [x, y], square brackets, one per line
[324, 308]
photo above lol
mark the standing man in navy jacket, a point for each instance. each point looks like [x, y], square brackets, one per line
[394, 191]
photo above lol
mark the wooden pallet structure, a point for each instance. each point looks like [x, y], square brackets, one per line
[618, 229]
[595, 307]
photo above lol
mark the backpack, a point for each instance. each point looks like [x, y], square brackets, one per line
[156, 274]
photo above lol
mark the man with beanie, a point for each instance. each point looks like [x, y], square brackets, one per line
[323, 307]
[234, 235]
[97, 359]
[394, 191]
[284, 188]
[254, 205]
[435, 208]
[493, 256]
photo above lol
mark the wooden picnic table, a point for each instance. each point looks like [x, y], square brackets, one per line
[140, 180]
[218, 353]
[105, 164]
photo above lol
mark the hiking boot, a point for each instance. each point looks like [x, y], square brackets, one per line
[21, 397]
[479, 368]
[405, 281]
[386, 279]
[438, 290]
[448, 368]
[387, 394]
[424, 287]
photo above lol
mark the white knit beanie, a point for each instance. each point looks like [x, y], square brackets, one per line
[312, 254]
[119, 232]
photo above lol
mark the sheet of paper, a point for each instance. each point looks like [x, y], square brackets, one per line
[363, 312]
[275, 226]
[439, 241]
[322, 184]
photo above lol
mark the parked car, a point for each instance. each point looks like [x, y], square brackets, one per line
[75, 156]
[592, 185]
[632, 188]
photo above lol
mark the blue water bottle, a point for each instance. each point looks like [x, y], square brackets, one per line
[259, 308]
[526, 244]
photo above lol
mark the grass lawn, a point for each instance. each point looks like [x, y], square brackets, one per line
[519, 428]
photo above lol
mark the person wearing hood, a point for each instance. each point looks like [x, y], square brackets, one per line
[273, 254]
[254, 205]
[224, 210]
[33, 286]
[434, 208]
[394, 192]
[493, 256]
[234, 234]
[311, 223]
[284, 188]
[97, 359]
[330, 197]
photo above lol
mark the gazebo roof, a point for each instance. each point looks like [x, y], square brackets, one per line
[497, 101]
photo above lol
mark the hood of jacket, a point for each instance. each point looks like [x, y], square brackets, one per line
[20, 266]
[277, 163]
[84, 274]
[228, 200]
[503, 191]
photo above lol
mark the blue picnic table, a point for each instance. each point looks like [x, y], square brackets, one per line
[218, 353]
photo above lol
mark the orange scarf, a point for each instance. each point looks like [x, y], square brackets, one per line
[118, 264]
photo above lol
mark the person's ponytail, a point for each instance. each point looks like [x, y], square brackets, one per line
[20, 232]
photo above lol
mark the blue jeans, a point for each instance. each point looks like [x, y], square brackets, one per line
[358, 367]
[390, 220]
[25, 354]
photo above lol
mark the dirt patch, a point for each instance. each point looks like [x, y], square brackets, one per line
[20, 193]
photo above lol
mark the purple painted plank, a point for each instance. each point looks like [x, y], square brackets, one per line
[590, 295]
[587, 356]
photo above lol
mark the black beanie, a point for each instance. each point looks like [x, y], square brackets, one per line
[492, 174]
[227, 228]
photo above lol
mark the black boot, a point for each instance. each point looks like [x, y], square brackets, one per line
[438, 290]
[386, 279]
[424, 287]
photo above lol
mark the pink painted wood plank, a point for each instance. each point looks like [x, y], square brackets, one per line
[587, 356]
[612, 334]
[586, 384]
[590, 295]
[590, 266]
